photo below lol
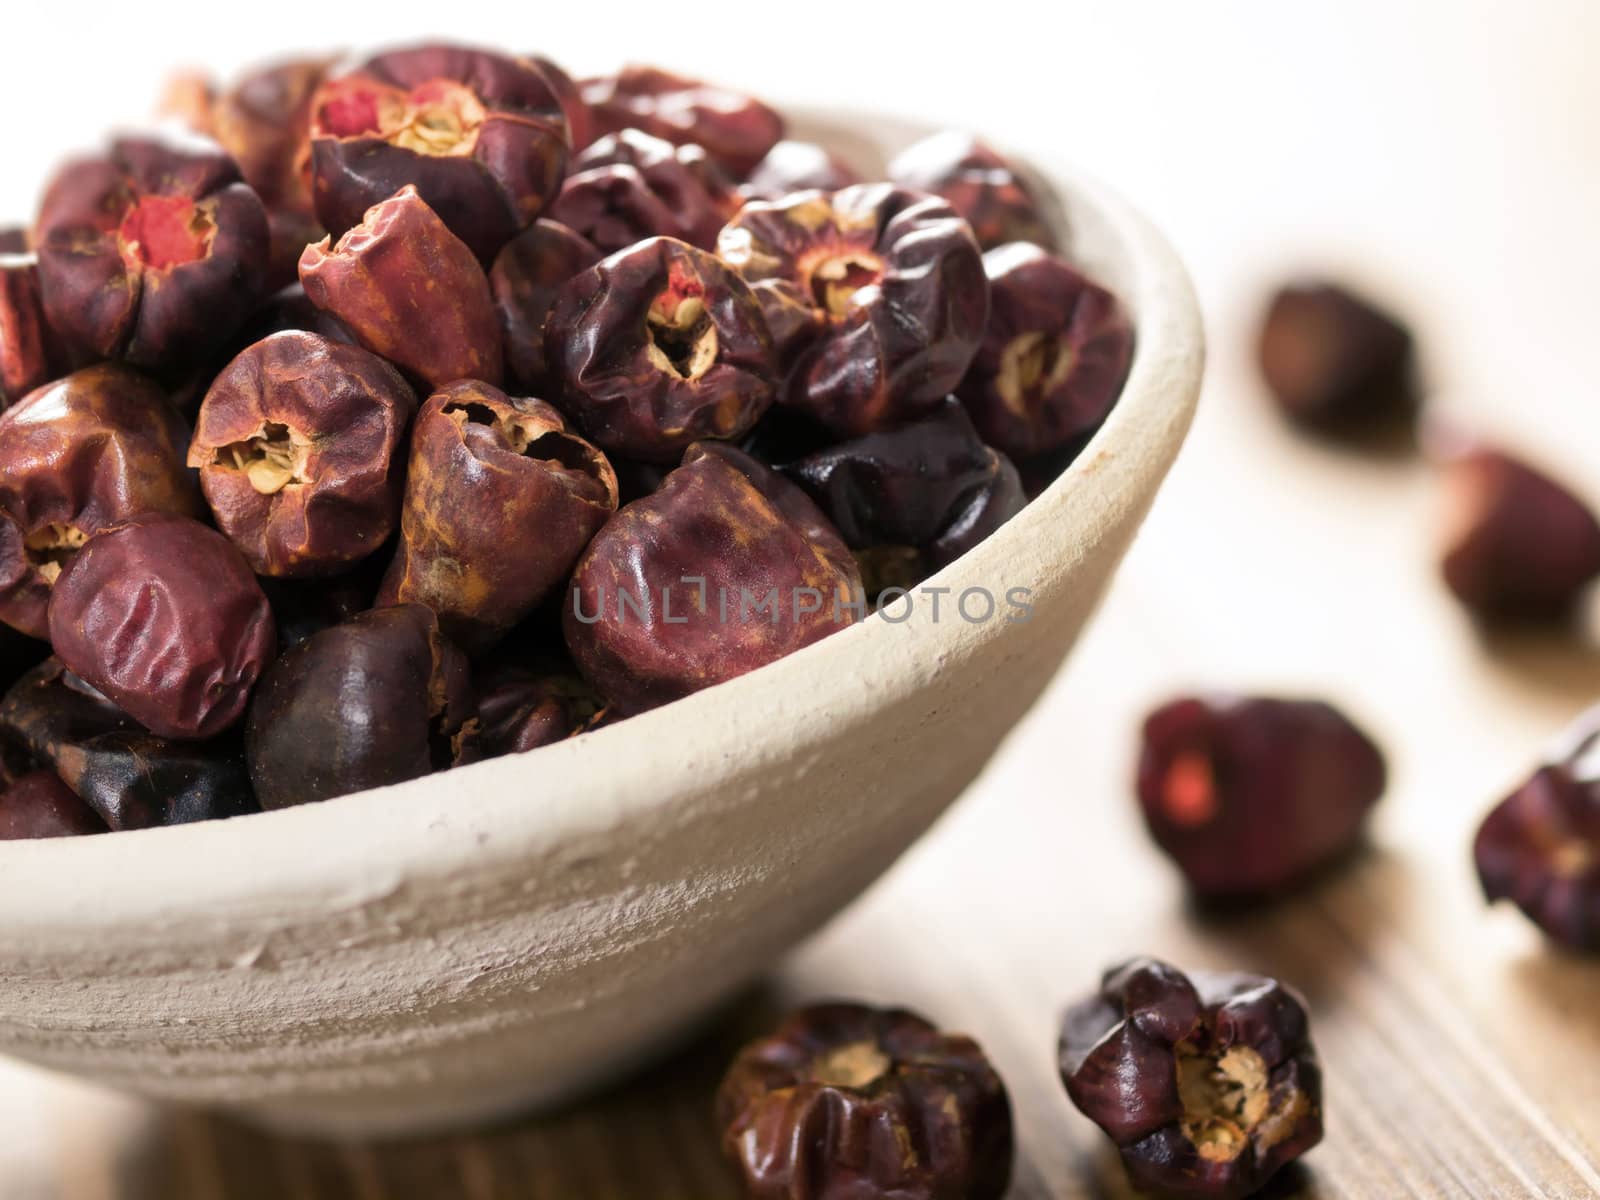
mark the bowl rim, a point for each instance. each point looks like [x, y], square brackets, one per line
[365, 845]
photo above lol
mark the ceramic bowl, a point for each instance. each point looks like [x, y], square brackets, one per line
[507, 935]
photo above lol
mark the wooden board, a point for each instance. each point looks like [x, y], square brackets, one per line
[1461, 1054]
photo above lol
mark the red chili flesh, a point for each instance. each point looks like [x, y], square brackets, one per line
[166, 231]
[1189, 792]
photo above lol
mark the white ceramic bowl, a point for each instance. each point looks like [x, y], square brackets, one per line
[509, 934]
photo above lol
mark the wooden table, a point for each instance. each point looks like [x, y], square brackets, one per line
[1462, 1055]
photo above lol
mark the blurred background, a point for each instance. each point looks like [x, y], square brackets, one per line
[1443, 157]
